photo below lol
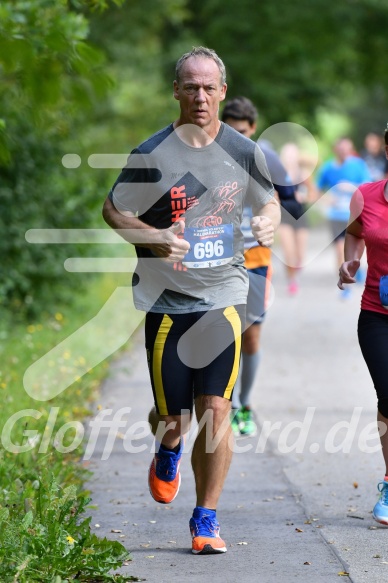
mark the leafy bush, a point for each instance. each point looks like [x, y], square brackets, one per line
[50, 78]
[51, 540]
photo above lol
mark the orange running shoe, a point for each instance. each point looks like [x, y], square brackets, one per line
[205, 532]
[164, 478]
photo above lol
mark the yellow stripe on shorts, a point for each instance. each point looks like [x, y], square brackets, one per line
[160, 341]
[233, 318]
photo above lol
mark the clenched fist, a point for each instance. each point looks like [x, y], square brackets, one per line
[263, 230]
[172, 248]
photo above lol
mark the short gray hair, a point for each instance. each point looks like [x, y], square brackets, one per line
[201, 52]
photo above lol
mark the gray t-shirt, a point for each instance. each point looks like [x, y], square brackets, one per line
[166, 180]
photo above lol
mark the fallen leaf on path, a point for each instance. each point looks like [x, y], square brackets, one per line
[116, 530]
[307, 563]
[343, 574]
[152, 521]
[145, 545]
[150, 556]
[355, 484]
[299, 530]
[242, 543]
[173, 542]
[377, 556]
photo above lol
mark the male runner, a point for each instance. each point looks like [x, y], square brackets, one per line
[180, 200]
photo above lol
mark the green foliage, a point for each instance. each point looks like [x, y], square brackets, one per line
[293, 58]
[48, 71]
[52, 538]
[49, 77]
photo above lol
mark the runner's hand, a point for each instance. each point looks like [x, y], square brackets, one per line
[263, 230]
[172, 248]
[347, 271]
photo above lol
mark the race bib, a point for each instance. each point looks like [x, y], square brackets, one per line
[209, 246]
[383, 288]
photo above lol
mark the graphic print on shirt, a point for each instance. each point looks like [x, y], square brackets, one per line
[221, 202]
[184, 195]
[209, 233]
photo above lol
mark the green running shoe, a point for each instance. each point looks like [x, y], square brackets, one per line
[247, 426]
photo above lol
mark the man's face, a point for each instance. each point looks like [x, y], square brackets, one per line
[343, 149]
[199, 91]
[373, 144]
[242, 126]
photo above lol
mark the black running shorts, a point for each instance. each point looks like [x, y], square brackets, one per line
[373, 339]
[193, 354]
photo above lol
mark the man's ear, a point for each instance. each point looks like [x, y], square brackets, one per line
[223, 92]
[176, 90]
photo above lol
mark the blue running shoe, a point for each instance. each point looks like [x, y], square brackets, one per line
[164, 478]
[205, 532]
[380, 511]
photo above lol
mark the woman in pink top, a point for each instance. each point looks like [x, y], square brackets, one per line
[368, 227]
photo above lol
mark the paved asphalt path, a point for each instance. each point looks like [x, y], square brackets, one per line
[297, 502]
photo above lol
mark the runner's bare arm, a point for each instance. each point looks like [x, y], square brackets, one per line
[164, 243]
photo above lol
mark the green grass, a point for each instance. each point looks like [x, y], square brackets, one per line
[44, 535]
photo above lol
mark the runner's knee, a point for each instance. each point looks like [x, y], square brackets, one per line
[250, 345]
